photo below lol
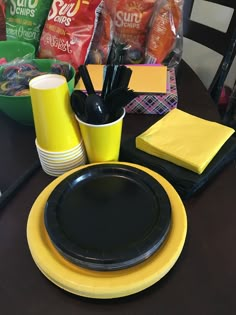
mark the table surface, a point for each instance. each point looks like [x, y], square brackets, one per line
[203, 280]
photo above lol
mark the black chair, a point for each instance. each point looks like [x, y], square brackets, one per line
[229, 117]
[222, 43]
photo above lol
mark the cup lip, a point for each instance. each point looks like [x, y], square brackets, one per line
[60, 156]
[63, 165]
[59, 160]
[42, 77]
[59, 171]
[102, 125]
[71, 151]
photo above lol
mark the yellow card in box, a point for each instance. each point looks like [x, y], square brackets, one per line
[184, 139]
[144, 79]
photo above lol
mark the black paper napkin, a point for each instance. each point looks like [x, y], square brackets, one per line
[186, 182]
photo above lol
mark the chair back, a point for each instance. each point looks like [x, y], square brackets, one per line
[224, 43]
[229, 118]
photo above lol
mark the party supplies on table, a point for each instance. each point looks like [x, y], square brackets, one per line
[184, 139]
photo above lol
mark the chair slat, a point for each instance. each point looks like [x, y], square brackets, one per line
[214, 39]
[223, 43]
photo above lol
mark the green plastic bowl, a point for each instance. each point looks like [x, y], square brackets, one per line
[19, 108]
[12, 49]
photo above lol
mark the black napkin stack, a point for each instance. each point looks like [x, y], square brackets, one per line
[186, 182]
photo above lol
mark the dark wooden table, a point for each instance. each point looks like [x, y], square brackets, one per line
[203, 281]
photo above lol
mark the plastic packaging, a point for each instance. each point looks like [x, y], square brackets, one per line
[25, 20]
[102, 40]
[15, 75]
[164, 41]
[69, 29]
[141, 31]
[131, 20]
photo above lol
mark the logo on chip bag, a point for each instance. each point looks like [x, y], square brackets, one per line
[23, 8]
[62, 12]
[128, 19]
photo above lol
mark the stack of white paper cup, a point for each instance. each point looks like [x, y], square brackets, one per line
[58, 139]
[57, 163]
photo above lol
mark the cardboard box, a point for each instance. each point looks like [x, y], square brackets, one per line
[158, 103]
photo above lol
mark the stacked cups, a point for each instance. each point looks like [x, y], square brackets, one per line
[58, 140]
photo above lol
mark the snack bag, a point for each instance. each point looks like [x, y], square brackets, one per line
[102, 40]
[164, 31]
[25, 19]
[2, 20]
[69, 30]
[131, 19]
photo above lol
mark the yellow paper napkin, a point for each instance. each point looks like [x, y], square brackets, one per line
[184, 139]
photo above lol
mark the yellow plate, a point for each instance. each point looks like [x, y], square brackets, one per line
[105, 284]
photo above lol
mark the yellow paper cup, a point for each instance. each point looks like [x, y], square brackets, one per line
[55, 125]
[102, 142]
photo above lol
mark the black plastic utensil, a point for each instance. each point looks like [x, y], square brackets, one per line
[116, 80]
[117, 99]
[95, 109]
[77, 101]
[107, 84]
[84, 74]
[124, 77]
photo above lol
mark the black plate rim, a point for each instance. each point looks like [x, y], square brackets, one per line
[79, 256]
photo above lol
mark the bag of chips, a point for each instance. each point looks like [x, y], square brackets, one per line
[164, 40]
[130, 20]
[25, 19]
[102, 39]
[139, 31]
[69, 29]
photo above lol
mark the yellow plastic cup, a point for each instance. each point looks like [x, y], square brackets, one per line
[55, 124]
[102, 142]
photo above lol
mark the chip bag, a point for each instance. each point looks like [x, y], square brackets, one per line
[164, 36]
[69, 29]
[25, 19]
[131, 19]
[102, 40]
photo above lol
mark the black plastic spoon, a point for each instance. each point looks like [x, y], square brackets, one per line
[77, 101]
[95, 108]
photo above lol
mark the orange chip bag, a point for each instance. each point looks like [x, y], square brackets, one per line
[102, 39]
[131, 19]
[163, 30]
[69, 29]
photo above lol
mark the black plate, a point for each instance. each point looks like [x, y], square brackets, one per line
[108, 216]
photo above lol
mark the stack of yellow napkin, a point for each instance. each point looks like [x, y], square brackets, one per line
[184, 139]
